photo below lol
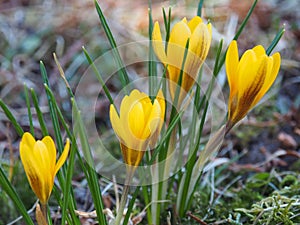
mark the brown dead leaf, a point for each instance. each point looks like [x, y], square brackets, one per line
[262, 12]
[287, 140]
[297, 131]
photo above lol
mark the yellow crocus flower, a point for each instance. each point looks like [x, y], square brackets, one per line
[139, 120]
[39, 161]
[249, 79]
[199, 36]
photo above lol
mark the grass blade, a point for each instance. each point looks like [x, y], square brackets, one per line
[99, 77]
[199, 9]
[275, 41]
[28, 109]
[123, 75]
[92, 175]
[11, 118]
[8, 188]
[238, 33]
[68, 186]
[67, 191]
[53, 114]
[39, 113]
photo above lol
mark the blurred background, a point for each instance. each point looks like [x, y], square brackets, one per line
[31, 30]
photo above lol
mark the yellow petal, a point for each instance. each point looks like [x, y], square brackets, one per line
[247, 71]
[193, 23]
[31, 167]
[161, 100]
[198, 50]
[28, 139]
[44, 184]
[276, 64]
[42, 156]
[232, 61]
[184, 20]
[249, 92]
[273, 68]
[115, 122]
[177, 43]
[136, 120]
[157, 43]
[154, 118]
[63, 157]
[259, 51]
[51, 151]
[125, 106]
[200, 41]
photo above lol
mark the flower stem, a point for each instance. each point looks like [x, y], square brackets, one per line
[44, 210]
[129, 174]
[41, 214]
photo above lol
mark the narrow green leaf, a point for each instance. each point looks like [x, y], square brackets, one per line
[68, 180]
[245, 21]
[166, 136]
[92, 175]
[130, 205]
[57, 195]
[190, 164]
[152, 72]
[199, 10]
[123, 75]
[70, 195]
[53, 114]
[238, 33]
[167, 22]
[29, 109]
[39, 113]
[275, 41]
[11, 118]
[72, 204]
[216, 66]
[9, 189]
[99, 77]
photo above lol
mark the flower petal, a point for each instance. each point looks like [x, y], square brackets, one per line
[63, 157]
[32, 167]
[28, 139]
[259, 51]
[51, 152]
[46, 179]
[198, 50]
[247, 71]
[136, 120]
[157, 43]
[115, 122]
[154, 118]
[193, 23]
[232, 61]
[273, 68]
[177, 43]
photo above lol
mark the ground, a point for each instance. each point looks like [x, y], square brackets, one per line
[263, 151]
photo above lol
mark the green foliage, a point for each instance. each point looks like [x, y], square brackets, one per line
[24, 191]
[264, 198]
